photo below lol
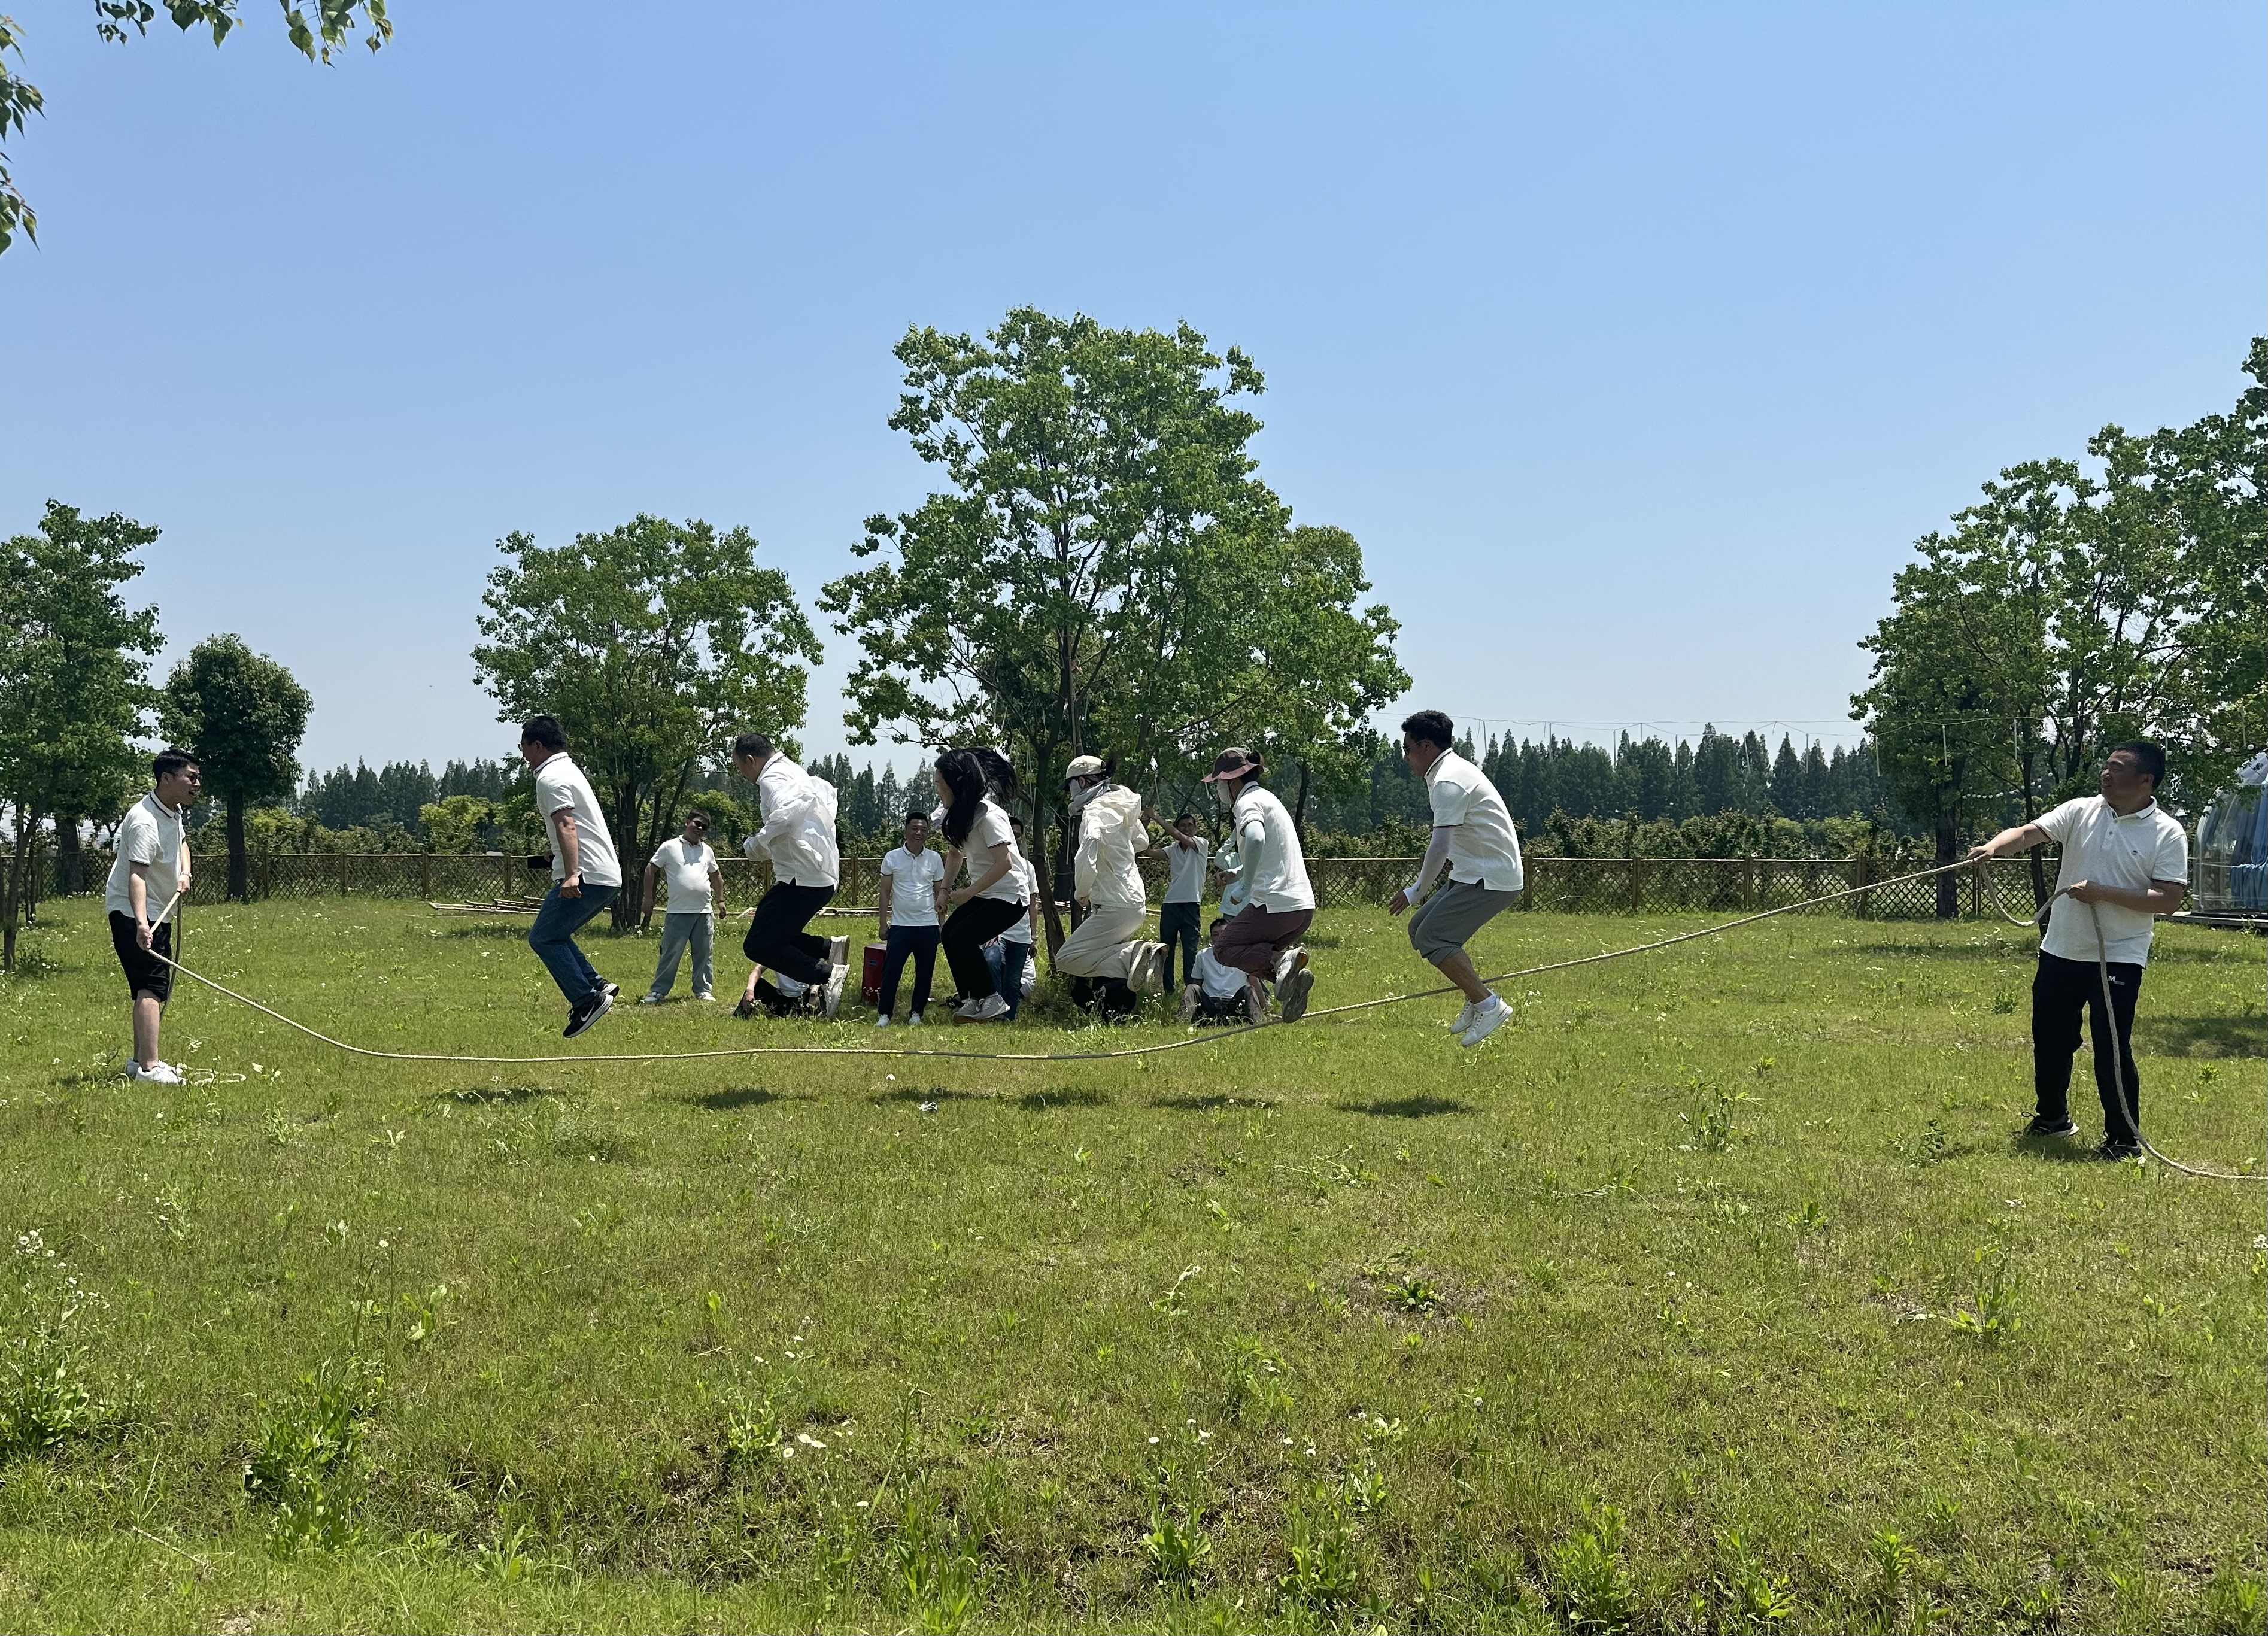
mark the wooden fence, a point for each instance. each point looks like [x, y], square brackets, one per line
[1556, 885]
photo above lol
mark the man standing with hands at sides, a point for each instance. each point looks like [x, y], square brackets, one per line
[2125, 860]
[798, 837]
[696, 890]
[1473, 836]
[585, 873]
[151, 870]
[913, 881]
[1182, 910]
[1261, 939]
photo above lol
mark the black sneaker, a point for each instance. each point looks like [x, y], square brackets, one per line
[2042, 1125]
[2117, 1150]
[588, 1013]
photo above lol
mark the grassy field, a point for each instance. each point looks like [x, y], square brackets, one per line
[1714, 1292]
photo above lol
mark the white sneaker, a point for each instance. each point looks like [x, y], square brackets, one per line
[989, 1009]
[881, 1022]
[913, 1019]
[649, 999]
[156, 1073]
[1487, 1018]
[1292, 992]
[838, 951]
[834, 992]
[1290, 961]
[1464, 1018]
[706, 999]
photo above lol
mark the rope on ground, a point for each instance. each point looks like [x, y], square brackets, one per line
[1212, 1037]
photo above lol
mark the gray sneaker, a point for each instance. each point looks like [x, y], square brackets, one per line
[834, 992]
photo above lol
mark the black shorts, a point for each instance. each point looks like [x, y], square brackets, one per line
[145, 973]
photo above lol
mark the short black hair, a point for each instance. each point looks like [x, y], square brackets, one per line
[755, 746]
[1015, 822]
[691, 813]
[544, 730]
[2151, 758]
[170, 761]
[1433, 727]
[1218, 921]
[1185, 818]
[916, 814]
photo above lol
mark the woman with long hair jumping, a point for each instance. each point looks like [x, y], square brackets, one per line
[975, 825]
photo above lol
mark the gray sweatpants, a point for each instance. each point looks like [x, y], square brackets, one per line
[1446, 922]
[678, 930]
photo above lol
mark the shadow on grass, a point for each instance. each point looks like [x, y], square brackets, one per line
[1406, 1107]
[496, 1095]
[2161, 1036]
[1206, 1104]
[2055, 1150]
[741, 1096]
[935, 1093]
[510, 931]
[1063, 1096]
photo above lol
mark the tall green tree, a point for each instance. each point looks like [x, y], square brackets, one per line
[316, 37]
[652, 643]
[74, 693]
[242, 714]
[1104, 572]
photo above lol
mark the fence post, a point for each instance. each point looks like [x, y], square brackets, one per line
[425, 874]
[266, 875]
[1752, 880]
[1866, 879]
[342, 875]
[1637, 886]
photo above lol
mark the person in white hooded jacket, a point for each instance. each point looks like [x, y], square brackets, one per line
[797, 837]
[1108, 945]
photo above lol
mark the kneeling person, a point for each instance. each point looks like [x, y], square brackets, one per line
[1473, 837]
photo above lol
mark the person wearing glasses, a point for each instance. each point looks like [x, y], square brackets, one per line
[696, 891]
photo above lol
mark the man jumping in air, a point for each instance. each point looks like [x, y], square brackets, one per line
[1473, 836]
[585, 873]
[797, 837]
[2129, 858]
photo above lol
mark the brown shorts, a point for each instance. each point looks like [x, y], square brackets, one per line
[1251, 941]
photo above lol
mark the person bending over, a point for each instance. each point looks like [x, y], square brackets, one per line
[585, 876]
[796, 835]
[1107, 945]
[151, 870]
[2125, 860]
[1473, 839]
[913, 881]
[1262, 939]
[977, 834]
[696, 890]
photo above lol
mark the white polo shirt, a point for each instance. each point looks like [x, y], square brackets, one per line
[560, 787]
[1020, 932]
[1483, 850]
[1185, 869]
[150, 833]
[914, 878]
[686, 865]
[2128, 852]
[1275, 864]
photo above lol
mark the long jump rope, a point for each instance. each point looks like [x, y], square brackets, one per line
[2101, 962]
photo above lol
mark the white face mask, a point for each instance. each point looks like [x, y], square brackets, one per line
[1220, 793]
[1084, 793]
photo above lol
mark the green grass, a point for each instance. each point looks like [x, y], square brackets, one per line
[1713, 1291]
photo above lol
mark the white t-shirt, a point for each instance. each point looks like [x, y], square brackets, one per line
[1483, 849]
[990, 829]
[1185, 869]
[913, 885]
[150, 833]
[1217, 981]
[1275, 864]
[799, 828]
[1021, 932]
[685, 865]
[561, 787]
[2127, 853]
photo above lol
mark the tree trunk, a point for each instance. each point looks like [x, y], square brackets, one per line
[70, 861]
[626, 838]
[34, 878]
[1949, 885]
[1299, 808]
[239, 871]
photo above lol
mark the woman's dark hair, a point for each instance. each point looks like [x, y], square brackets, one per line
[971, 773]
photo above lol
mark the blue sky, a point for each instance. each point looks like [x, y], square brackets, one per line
[1636, 344]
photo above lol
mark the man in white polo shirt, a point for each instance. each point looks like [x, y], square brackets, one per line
[1180, 912]
[696, 890]
[1473, 838]
[151, 867]
[2125, 861]
[585, 875]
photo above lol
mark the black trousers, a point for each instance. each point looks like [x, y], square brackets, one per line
[1178, 924]
[919, 943]
[2061, 989]
[776, 939]
[966, 931]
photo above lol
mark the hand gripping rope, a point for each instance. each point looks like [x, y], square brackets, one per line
[1211, 1036]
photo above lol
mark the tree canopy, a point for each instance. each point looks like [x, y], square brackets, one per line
[242, 714]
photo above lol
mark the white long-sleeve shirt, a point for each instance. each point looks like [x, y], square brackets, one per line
[1110, 833]
[797, 835]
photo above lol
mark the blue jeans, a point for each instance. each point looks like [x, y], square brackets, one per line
[1006, 961]
[1178, 926]
[552, 936]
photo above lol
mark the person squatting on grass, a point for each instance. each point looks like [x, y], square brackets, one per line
[696, 890]
[1182, 911]
[976, 832]
[1261, 938]
[1010, 954]
[913, 884]
[796, 834]
[585, 875]
[1107, 947]
[1472, 838]
[1214, 992]
[150, 870]
[2129, 859]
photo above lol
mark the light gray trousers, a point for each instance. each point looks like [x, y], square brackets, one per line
[677, 932]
